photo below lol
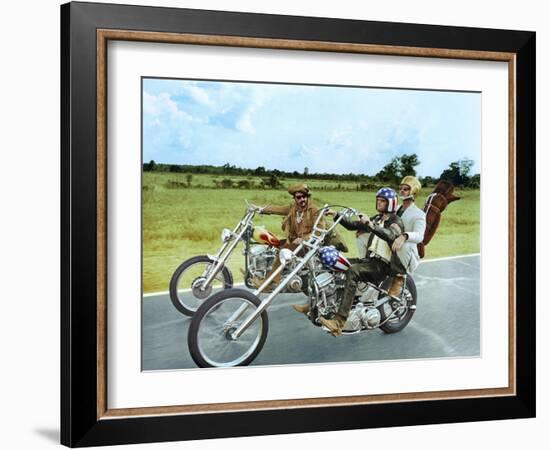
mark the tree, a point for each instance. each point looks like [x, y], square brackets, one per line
[390, 172]
[408, 164]
[475, 181]
[259, 171]
[427, 181]
[150, 167]
[398, 167]
[458, 172]
[228, 168]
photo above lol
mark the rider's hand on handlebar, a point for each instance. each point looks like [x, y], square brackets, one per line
[366, 220]
[297, 241]
[260, 209]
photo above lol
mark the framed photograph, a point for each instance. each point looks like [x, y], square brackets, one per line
[278, 224]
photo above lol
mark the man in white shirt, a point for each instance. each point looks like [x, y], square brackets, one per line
[414, 220]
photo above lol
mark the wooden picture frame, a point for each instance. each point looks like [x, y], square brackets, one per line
[86, 418]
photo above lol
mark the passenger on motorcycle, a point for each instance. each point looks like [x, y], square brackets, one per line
[380, 261]
[414, 220]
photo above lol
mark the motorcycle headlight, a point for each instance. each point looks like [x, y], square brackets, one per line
[226, 234]
[285, 256]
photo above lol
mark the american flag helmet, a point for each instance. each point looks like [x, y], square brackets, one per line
[333, 260]
[391, 196]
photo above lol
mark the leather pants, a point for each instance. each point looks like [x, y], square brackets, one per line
[370, 269]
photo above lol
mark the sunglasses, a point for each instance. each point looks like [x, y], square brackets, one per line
[300, 196]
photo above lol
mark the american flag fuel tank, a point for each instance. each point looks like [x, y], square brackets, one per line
[333, 260]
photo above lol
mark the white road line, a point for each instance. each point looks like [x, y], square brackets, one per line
[467, 265]
[445, 258]
[154, 294]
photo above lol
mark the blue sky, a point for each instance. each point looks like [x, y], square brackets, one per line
[324, 128]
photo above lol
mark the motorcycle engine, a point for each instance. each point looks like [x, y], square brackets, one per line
[260, 260]
[325, 293]
[295, 284]
[361, 317]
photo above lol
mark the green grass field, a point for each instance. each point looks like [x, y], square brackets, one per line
[179, 223]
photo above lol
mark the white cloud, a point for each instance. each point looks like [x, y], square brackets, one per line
[257, 97]
[244, 123]
[199, 95]
[162, 106]
[150, 105]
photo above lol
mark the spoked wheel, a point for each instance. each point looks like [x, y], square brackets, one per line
[210, 339]
[187, 290]
[401, 316]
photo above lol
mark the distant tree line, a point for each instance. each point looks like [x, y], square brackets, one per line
[400, 166]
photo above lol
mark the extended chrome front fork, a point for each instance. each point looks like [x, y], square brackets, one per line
[224, 253]
[313, 244]
[267, 301]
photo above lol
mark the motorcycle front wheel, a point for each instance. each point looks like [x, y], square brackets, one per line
[401, 317]
[186, 284]
[210, 333]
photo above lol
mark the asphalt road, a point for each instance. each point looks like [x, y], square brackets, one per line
[445, 324]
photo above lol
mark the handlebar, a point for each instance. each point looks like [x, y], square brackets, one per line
[345, 211]
[250, 207]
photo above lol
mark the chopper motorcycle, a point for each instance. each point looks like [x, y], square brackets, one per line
[230, 327]
[199, 277]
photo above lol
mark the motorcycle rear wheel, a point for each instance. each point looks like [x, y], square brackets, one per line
[209, 339]
[400, 320]
[185, 284]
